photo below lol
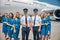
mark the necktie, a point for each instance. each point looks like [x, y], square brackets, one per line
[34, 20]
[26, 19]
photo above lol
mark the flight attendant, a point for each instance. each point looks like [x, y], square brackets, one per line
[10, 23]
[49, 24]
[36, 24]
[25, 20]
[17, 25]
[4, 26]
[46, 26]
[42, 31]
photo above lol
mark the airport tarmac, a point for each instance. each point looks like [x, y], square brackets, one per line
[55, 32]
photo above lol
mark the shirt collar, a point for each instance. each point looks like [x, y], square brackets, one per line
[36, 15]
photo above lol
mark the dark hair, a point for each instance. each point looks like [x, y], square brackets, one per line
[25, 9]
[35, 9]
[11, 14]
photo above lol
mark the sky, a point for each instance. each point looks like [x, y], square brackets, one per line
[53, 2]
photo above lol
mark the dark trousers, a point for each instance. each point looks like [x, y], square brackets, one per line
[25, 33]
[36, 33]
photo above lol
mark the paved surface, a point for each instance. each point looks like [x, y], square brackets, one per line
[55, 34]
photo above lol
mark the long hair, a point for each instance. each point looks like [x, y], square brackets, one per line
[16, 14]
[11, 14]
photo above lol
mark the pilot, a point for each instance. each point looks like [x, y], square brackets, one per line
[36, 24]
[25, 21]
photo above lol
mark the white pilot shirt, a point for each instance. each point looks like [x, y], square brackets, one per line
[28, 20]
[37, 21]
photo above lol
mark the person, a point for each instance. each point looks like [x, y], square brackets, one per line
[42, 31]
[4, 26]
[10, 24]
[25, 21]
[46, 25]
[49, 24]
[36, 24]
[17, 25]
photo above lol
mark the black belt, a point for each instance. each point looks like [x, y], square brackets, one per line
[25, 27]
[35, 26]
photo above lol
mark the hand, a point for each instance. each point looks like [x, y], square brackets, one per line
[13, 26]
[42, 24]
[46, 24]
[30, 28]
[39, 30]
[14, 31]
[25, 25]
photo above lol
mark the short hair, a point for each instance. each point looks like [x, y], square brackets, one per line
[25, 9]
[35, 9]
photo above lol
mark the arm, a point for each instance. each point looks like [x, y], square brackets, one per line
[31, 22]
[4, 22]
[40, 23]
[47, 21]
[43, 24]
[31, 25]
[22, 22]
[7, 23]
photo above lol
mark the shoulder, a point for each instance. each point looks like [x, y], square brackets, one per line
[14, 18]
[39, 17]
[3, 17]
[22, 17]
[8, 18]
[28, 16]
[32, 16]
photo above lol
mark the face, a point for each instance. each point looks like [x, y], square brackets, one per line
[6, 14]
[42, 15]
[45, 14]
[17, 14]
[25, 12]
[48, 14]
[35, 12]
[11, 14]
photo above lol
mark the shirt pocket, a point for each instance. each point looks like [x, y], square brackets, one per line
[37, 20]
[28, 19]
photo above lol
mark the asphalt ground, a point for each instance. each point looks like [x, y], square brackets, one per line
[55, 32]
